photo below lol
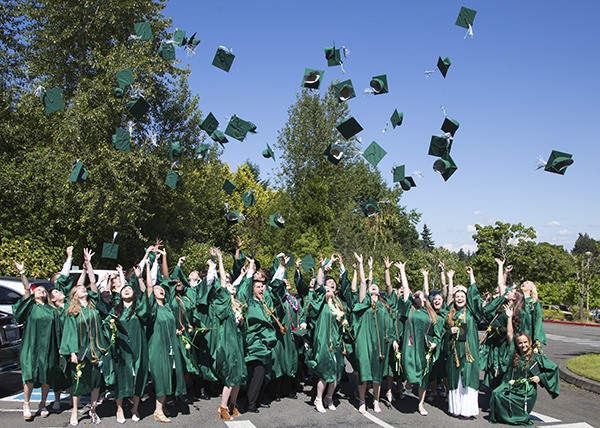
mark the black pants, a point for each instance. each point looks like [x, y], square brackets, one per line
[256, 374]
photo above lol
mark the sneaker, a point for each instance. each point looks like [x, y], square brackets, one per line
[319, 405]
[376, 406]
[56, 406]
[362, 408]
[328, 402]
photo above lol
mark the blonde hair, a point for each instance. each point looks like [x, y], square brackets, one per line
[74, 305]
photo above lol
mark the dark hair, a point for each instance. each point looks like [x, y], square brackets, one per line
[121, 306]
[518, 306]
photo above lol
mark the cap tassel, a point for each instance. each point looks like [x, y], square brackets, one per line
[387, 124]
[417, 174]
[444, 111]
[226, 49]
[136, 92]
[428, 73]
[469, 32]
[541, 163]
[39, 91]
[114, 236]
[130, 127]
[133, 37]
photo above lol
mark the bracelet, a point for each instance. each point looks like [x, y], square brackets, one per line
[22, 272]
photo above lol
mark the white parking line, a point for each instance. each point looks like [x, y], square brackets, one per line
[377, 420]
[240, 424]
[575, 425]
[543, 418]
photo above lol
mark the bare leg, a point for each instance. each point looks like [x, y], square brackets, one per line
[27, 388]
[421, 407]
[376, 394]
[74, 419]
[135, 405]
[319, 398]
[225, 395]
[120, 415]
[362, 389]
[93, 402]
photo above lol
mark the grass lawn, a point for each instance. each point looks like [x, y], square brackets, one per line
[586, 365]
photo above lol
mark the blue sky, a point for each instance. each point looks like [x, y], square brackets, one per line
[525, 84]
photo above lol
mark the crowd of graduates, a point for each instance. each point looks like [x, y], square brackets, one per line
[160, 330]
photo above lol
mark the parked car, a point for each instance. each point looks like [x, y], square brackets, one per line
[563, 309]
[11, 290]
[10, 342]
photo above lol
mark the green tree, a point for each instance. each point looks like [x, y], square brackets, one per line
[426, 238]
[584, 244]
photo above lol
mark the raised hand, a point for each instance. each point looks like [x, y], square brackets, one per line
[359, 258]
[387, 263]
[70, 251]
[20, 266]
[400, 265]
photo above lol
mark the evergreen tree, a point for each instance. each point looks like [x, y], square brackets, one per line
[426, 238]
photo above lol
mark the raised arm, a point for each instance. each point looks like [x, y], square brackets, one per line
[425, 274]
[449, 297]
[354, 278]
[388, 281]
[149, 282]
[362, 291]
[501, 279]
[21, 268]
[441, 265]
[471, 275]
[164, 266]
[87, 260]
[370, 262]
[66, 268]
[138, 273]
[509, 324]
[222, 276]
[121, 278]
[405, 290]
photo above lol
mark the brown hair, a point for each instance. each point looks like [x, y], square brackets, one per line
[529, 355]
[74, 305]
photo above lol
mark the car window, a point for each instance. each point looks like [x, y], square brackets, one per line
[8, 296]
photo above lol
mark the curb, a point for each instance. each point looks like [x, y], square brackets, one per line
[585, 324]
[579, 381]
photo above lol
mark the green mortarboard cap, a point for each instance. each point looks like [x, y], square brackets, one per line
[445, 166]
[118, 92]
[238, 128]
[397, 118]
[174, 150]
[379, 84]
[121, 140]
[248, 198]
[277, 220]
[344, 90]
[209, 124]
[110, 251]
[125, 78]
[78, 174]
[232, 217]
[312, 78]
[308, 262]
[334, 153]
[202, 151]
[439, 146]
[167, 51]
[374, 153]
[53, 100]
[223, 58]
[558, 162]
[465, 17]
[292, 259]
[192, 42]
[219, 137]
[229, 186]
[349, 127]
[399, 177]
[370, 207]
[179, 37]
[138, 107]
[443, 65]
[450, 126]
[143, 30]
[268, 152]
[333, 56]
[172, 179]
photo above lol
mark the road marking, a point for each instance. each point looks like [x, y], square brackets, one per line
[543, 418]
[11, 410]
[240, 424]
[587, 342]
[377, 420]
[575, 425]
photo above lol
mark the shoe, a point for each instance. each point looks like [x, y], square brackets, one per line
[224, 413]
[264, 405]
[362, 408]
[94, 417]
[252, 409]
[121, 421]
[170, 403]
[376, 406]
[26, 412]
[185, 400]
[43, 411]
[203, 395]
[422, 411]
[74, 424]
[319, 405]
[328, 402]
[160, 417]
[233, 410]
[390, 396]
[135, 417]
[293, 395]
[56, 406]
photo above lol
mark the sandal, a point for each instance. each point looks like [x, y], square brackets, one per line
[234, 410]
[362, 408]
[376, 407]
[94, 417]
[319, 405]
[26, 412]
[135, 417]
[43, 411]
[160, 417]
[223, 413]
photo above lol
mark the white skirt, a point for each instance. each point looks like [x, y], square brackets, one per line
[463, 401]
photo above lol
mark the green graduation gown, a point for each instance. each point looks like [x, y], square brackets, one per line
[83, 335]
[39, 355]
[512, 404]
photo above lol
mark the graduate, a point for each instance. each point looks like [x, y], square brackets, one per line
[513, 400]
[374, 336]
[39, 356]
[83, 343]
[326, 359]
[420, 338]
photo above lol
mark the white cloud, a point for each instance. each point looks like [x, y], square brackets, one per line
[553, 223]
[467, 248]
[477, 212]
[564, 232]
[471, 228]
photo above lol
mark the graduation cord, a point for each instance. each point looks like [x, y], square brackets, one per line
[462, 318]
[93, 345]
[271, 313]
